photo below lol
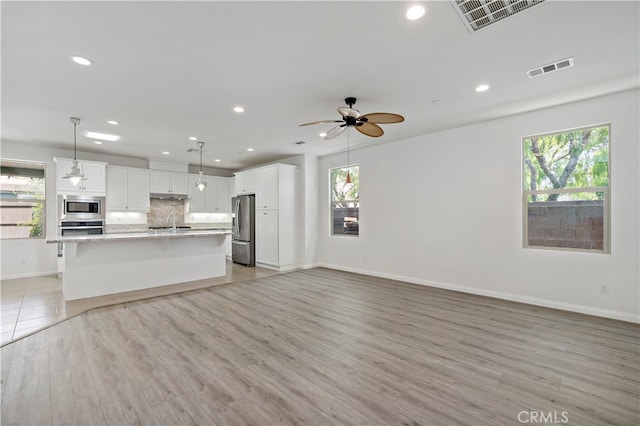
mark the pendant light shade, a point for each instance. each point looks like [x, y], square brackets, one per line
[201, 183]
[75, 175]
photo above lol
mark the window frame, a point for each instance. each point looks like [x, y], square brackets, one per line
[606, 190]
[43, 202]
[332, 202]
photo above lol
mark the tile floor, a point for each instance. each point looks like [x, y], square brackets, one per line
[30, 304]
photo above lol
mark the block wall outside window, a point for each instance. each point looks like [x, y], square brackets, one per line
[568, 224]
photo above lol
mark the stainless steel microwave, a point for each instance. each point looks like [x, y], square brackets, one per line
[81, 207]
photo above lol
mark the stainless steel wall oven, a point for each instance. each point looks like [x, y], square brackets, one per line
[81, 215]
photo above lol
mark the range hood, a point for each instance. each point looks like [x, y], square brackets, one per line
[168, 196]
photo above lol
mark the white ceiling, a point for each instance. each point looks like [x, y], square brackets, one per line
[170, 70]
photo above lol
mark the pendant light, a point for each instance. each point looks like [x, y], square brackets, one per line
[348, 180]
[201, 184]
[75, 175]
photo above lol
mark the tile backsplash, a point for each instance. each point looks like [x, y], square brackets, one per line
[161, 211]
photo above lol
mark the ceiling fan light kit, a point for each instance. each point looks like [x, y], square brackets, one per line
[75, 175]
[366, 124]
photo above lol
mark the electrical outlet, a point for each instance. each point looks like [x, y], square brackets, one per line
[604, 288]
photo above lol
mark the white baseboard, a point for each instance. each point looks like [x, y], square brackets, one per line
[28, 275]
[310, 266]
[605, 313]
[285, 268]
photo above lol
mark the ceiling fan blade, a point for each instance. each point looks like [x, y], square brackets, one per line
[335, 131]
[349, 112]
[321, 122]
[383, 118]
[370, 129]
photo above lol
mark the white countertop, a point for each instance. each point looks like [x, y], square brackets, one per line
[159, 234]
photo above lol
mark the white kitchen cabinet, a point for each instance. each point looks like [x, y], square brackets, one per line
[167, 182]
[94, 173]
[267, 188]
[245, 182]
[275, 189]
[271, 184]
[168, 166]
[267, 237]
[231, 188]
[223, 199]
[127, 189]
[197, 198]
[213, 199]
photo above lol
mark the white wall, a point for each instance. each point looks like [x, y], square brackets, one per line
[34, 257]
[444, 209]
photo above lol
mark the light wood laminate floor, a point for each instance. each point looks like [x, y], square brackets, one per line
[323, 347]
[30, 304]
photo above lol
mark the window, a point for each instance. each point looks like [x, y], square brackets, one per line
[345, 210]
[22, 208]
[566, 190]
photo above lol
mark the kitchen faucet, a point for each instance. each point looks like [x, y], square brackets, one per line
[172, 215]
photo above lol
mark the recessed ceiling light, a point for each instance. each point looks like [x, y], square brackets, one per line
[166, 152]
[217, 160]
[238, 109]
[323, 134]
[482, 88]
[250, 149]
[193, 138]
[81, 61]
[97, 142]
[102, 136]
[415, 12]
[114, 122]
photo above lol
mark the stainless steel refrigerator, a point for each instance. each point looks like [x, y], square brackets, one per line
[243, 230]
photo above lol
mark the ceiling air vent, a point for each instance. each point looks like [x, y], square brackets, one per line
[545, 69]
[477, 14]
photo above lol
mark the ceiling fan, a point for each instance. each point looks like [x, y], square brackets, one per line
[366, 124]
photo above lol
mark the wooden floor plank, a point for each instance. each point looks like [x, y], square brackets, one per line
[323, 347]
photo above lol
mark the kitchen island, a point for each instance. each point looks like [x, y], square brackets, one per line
[97, 265]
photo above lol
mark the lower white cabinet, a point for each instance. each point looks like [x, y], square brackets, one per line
[267, 237]
[127, 189]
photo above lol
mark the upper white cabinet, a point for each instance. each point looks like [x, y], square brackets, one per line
[167, 166]
[168, 178]
[274, 187]
[268, 189]
[271, 184]
[223, 196]
[127, 189]
[93, 182]
[213, 199]
[163, 182]
[245, 182]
